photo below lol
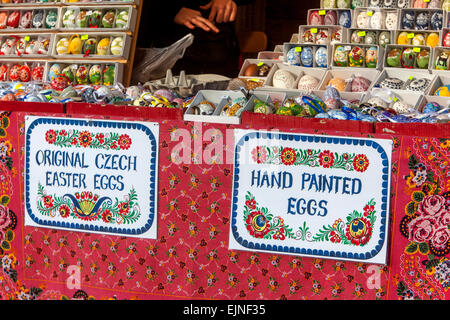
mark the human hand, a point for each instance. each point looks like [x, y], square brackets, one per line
[221, 10]
[193, 19]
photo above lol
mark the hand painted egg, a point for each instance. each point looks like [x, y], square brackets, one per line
[356, 38]
[283, 79]
[94, 19]
[20, 46]
[308, 83]
[329, 4]
[446, 5]
[441, 62]
[356, 57]
[306, 57]
[3, 72]
[109, 75]
[51, 19]
[372, 57]
[25, 19]
[37, 73]
[3, 19]
[375, 3]
[338, 83]
[391, 21]
[54, 71]
[393, 58]
[30, 47]
[433, 40]
[434, 4]
[422, 20]
[436, 21]
[376, 21]
[103, 46]
[402, 4]
[408, 58]
[403, 38]
[108, 19]
[81, 21]
[7, 47]
[357, 4]
[95, 74]
[59, 83]
[62, 46]
[263, 69]
[315, 19]
[42, 45]
[25, 73]
[293, 56]
[38, 19]
[89, 46]
[13, 19]
[446, 41]
[68, 19]
[69, 73]
[330, 18]
[308, 37]
[14, 72]
[322, 57]
[117, 46]
[122, 19]
[390, 4]
[431, 107]
[336, 36]
[322, 37]
[370, 38]
[343, 4]
[360, 84]
[384, 39]
[340, 56]
[362, 20]
[443, 91]
[81, 76]
[408, 20]
[345, 19]
[418, 40]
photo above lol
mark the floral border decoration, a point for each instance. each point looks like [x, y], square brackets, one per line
[357, 230]
[309, 157]
[88, 206]
[85, 139]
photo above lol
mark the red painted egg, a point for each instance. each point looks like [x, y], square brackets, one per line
[14, 72]
[3, 72]
[38, 73]
[14, 19]
[59, 83]
[25, 73]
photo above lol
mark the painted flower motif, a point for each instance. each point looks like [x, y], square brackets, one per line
[64, 211]
[257, 224]
[326, 159]
[259, 155]
[100, 138]
[359, 231]
[48, 201]
[360, 163]
[50, 136]
[434, 205]
[124, 142]
[85, 139]
[279, 234]
[368, 209]
[288, 156]
[251, 204]
[107, 216]
[124, 208]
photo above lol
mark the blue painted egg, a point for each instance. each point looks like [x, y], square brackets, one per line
[54, 71]
[322, 57]
[307, 57]
[422, 21]
[293, 57]
[345, 19]
[436, 21]
[431, 107]
[408, 20]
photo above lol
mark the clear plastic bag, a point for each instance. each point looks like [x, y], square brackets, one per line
[153, 63]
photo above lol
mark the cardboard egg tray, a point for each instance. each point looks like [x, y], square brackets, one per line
[296, 71]
[413, 99]
[32, 64]
[349, 46]
[317, 29]
[348, 74]
[258, 62]
[118, 75]
[34, 10]
[417, 49]
[220, 99]
[416, 11]
[370, 13]
[20, 47]
[436, 52]
[361, 33]
[288, 46]
[124, 53]
[131, 22]
[407, 76]
[444, 32]
[413, 33]
[323, 12]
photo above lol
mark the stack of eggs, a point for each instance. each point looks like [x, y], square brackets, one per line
[81, 18]
[91, 44]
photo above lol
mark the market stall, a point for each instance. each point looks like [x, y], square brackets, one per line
[319, 172]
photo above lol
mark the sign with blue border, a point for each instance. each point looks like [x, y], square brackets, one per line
[306, 195]
[92, 175]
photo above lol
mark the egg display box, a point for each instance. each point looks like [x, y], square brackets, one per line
[27, 46]
[349, 50]
[96, 2]
[406, 77]
[338, 17]
[443, 54]
[440, 81]
[271, 55]
[347, 74]
[80, 19]
[278, 48]
[34, 3]
[290, 85]
[390, 4]
[348, 96]
[338, 4]
[307, 55]
[429, 38]
[412, 99]
[220, 99]
[18, 70]
[256, 68]
[26, 19]
[445, 38]
[295, 38]
[421, 19]
[417, 51]
[322, 35]
[380, 37]
[54, 69]
[91, 46]
[375, 18]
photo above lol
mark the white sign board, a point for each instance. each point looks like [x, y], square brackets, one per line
[318, 196]
[92, 175]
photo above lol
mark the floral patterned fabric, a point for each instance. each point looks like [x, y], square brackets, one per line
[190, 258]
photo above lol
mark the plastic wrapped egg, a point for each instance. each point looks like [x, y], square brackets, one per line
[13, 19]
[376, 21]
[108, 19]
[14, 72]
[338, 83]
[37, 73]
[94, 19]
[25, 20]
[69, 73]
[360, 84]
[322, 37]
[408, 20]
[283, 79]
[54, 71]
[321, 57]
[3, 72]
[306, 57]
[25, 73]
[81, 21]
[336, 36]
[95, 74]
[356, 38]
[109, 75]
[51, 19]
[82, 74]
[308, 36]
[38, 19]
[89, 46]
[68, 19]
